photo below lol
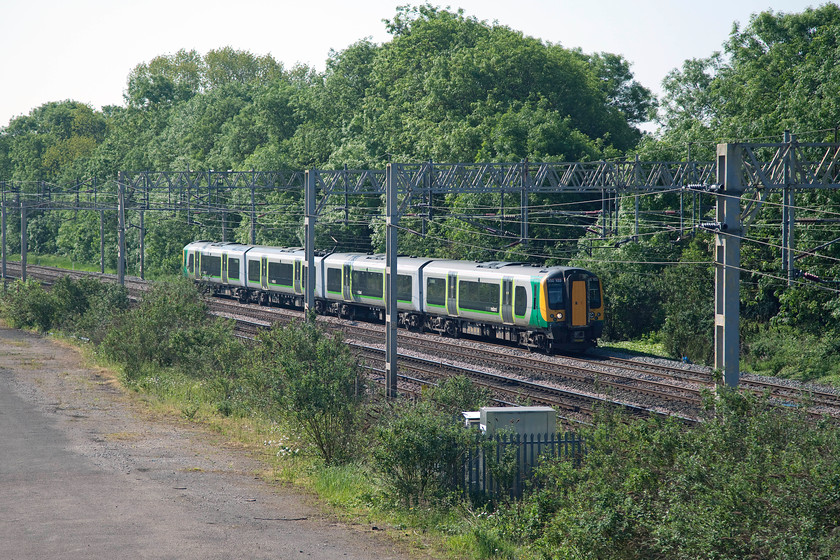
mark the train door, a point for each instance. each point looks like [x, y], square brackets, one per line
[507, 300]
[579, 308]
[452, 294]
[345, 286]
[264, 273]
[224, 268]
[297, 275]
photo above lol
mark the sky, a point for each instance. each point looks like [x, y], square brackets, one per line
[53, 50]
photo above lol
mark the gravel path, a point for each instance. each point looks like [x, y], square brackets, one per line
[85, 474]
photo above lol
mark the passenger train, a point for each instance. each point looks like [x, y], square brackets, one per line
[543, 308]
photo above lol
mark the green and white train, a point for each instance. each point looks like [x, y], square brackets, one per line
[544, 308]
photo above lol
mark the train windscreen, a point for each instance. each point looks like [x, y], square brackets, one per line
[556, 295]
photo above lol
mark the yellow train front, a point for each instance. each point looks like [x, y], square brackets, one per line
[573, 308]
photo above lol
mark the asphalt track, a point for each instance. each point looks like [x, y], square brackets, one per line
[83, 475]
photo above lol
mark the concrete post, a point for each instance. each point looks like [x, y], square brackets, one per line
[102, 241]
[788, 202]
[3, 236]
[120, 229]
[523, 204]
[391, 315]
[142, 246]
[309, 241]
[23, 239]
[728, 264]
[253, 217]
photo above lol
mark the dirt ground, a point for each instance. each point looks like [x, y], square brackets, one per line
[85, 473]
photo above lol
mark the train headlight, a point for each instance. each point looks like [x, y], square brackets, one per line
[559, 316]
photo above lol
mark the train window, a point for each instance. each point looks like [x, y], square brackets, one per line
[436, 291]
[403, 287]
[191, 263]
[478, 296]
[254, 272]
[368, 284]
[520, 301]
[556, 293]
[211, 266]
[594, 293]
[334, 280]
[233, 269]
[280, 274]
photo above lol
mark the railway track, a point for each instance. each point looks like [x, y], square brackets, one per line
[416, 370]
[574, 384]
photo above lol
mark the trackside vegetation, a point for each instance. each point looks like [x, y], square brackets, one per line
[751, 481]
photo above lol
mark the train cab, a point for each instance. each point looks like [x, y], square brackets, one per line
[572, 306]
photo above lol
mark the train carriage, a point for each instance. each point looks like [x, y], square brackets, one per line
[355, 284]
[546, 308]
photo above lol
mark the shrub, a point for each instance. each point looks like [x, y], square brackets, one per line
[170, 327]
[457, 394]
[316, 381]
[107, 302]
[418, 452]
[26, 305]
[752, 481]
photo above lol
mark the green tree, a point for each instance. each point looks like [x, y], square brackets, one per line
[777, 74]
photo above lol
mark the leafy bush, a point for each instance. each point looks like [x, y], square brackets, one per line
[316, 382]
[752, 481]
[457, 394]
[418, 452]
[106, 303]
[170, 327]
[86, 307]
[26, 305]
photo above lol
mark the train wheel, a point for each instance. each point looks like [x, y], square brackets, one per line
[451, 329]
[320, 307]
[415, 322]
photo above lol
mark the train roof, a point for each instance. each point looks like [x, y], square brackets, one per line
[377, 260]
[498, 267]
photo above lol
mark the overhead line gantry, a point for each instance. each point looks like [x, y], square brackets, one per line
[740, 179]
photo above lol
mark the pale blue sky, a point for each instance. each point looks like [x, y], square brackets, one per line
[51, 50]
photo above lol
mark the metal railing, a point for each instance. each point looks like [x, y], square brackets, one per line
[504, 464]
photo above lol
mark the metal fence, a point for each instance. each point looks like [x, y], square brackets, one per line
[504, 464]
